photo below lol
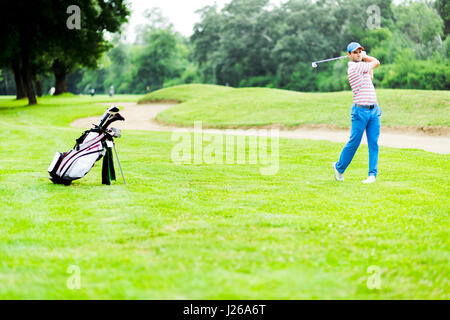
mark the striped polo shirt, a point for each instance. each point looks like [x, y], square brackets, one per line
[361, 83]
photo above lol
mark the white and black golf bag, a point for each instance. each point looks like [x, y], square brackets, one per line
[93, 145]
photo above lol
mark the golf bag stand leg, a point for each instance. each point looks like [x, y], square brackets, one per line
[120, 166]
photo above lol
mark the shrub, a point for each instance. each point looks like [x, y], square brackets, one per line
[417, 74]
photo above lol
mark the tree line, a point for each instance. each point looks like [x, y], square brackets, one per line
[248, 43]
[37, 39]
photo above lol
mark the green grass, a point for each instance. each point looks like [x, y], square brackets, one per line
[228, 107]
[188, 92]
[215, 231]
[58, 110]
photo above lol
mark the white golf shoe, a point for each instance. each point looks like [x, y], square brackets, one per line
[370, 179]
[337, 175]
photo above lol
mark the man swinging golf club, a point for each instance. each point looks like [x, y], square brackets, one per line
[365, 112]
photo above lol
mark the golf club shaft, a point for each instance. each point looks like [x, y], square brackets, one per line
[120, 166]
[331, 59]
[105, 116]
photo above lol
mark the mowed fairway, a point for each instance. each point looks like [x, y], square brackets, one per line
[215, 231]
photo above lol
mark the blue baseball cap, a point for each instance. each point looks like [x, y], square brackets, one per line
[352, 46]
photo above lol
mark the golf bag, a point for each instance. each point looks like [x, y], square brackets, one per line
[90, 147]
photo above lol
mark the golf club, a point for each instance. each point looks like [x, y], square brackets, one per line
[111, 119]
[314, 63]
[110, 111]
[114, 132]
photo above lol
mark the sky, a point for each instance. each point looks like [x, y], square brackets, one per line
[181, 13]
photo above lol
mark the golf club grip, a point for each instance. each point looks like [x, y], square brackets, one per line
[105, 116]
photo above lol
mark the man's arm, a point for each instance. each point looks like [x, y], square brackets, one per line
[373, 61]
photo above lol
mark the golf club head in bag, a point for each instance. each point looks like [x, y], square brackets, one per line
[116, 133]
[90, 147]
[108, 113]
[111, 119]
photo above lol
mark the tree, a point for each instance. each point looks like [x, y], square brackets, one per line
[155, 20]
[35, 36]
[235, 44]
[443, 8]
[206, 40]
[118, 68]
[83, 47]
[419, 22]
[245, 44]
[6, 82]
[21, 31]
[156, 61]
[160, 53]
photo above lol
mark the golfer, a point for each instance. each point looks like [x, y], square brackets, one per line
[365, 112]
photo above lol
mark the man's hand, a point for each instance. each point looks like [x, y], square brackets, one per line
[363, 55]
[373, 61]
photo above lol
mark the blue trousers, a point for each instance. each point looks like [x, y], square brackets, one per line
[362, 120]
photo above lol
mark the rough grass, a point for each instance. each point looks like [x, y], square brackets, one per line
[223, 107]
[215, 231]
